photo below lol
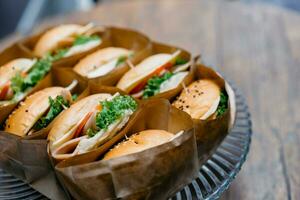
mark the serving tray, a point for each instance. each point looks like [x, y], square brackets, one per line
[214, 176]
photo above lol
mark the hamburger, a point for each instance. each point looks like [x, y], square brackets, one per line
[139, 142]
[102, 62]
[67, 40]
[155, 74]
[89, 123]
[38, 110]
[19, 76]
[203, 99]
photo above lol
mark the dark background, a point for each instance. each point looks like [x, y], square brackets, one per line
[12, 11]
[21, 15]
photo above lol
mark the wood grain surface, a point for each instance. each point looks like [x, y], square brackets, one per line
[258, 48]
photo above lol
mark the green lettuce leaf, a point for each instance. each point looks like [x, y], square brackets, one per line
[79, 40]
[113, 110]
[56, 106]
[60, 53]
[90, 132]
[38, 71]
[82, 39]
[180, 61]
[74, 97]
[121, 60]
[223, 104]
[17, 83]
[153, 84]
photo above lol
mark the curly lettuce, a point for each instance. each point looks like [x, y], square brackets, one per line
[111, 111]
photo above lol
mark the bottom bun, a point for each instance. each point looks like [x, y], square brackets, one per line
[139, 142]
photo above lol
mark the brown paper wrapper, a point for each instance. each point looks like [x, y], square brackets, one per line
[27, 157]
[26, 45]
[117, 37]
[155, 173]
[210, 133]
[11, 53]
[28, 161]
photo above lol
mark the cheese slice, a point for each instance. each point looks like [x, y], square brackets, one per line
[83, 47]
[172, 82]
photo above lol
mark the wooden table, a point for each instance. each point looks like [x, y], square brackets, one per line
[255, 46]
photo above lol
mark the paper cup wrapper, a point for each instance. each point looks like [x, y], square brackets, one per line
[211, 132]
[155, 173]
[27, 157]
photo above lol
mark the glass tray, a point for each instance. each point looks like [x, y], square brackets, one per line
[214, 177]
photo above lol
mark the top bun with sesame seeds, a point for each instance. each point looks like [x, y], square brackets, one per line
[200, 99]
[139, 142]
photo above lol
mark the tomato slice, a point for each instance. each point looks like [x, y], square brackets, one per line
[139, 87]
[81, 125]
[85, 119]
[24, 74]
[142, 84]
[99, 107]
[4, 90]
